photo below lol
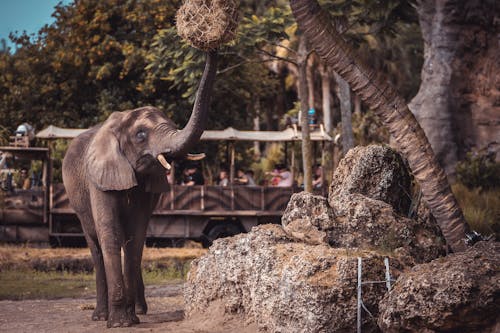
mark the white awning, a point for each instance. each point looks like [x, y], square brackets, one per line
[229, 134]
[54, 132]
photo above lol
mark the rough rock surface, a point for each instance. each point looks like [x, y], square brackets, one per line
[377, 172]
[359, 212]
[308, 217]
[283, 285]
[374, 224]
[302, 277]
[458, 293]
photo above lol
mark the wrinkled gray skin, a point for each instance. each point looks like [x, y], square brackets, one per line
[113, 180]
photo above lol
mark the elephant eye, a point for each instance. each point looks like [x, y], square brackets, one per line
[141, 135]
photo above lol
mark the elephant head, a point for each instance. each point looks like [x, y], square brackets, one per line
[132, 145]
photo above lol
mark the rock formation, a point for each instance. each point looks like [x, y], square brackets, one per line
[283, 285]
[302, 276]
[458, 293]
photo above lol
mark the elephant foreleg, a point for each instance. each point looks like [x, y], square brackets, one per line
[101, 309]
[106, 214]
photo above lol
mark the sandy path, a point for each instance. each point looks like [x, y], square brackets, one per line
[166, 314]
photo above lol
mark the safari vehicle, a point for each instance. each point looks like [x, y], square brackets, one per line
[201, 213]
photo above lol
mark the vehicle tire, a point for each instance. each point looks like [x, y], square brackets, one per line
[220, 230]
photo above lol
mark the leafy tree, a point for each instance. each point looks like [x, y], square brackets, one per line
[89, 62]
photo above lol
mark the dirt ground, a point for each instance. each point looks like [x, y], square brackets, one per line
[165, 302]
[166, 314]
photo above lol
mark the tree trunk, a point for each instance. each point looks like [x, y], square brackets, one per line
[256, 127]
[326, 99]
[328, 148]
[380, 96]
[457, 104]
[304, 107]
[310, 83]
[344, 95]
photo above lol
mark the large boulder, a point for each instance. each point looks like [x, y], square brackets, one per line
[376, 172]
[458, 293]
[366, 224]
[281, 285]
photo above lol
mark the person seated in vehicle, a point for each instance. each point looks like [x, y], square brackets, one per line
[24, 180]
[223, 178]
[192, 176]
[283, 175]
[318, 176]
[241, 178]
[3, 159]
[250, 174]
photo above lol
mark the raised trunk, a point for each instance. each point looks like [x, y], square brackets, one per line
[184, 139]
[380, 96]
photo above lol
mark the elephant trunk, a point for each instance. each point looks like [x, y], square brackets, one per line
[184, 139]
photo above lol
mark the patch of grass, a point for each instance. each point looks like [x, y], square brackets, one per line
[481, 208]
[21, 284]
[31, 284]
[33, 273]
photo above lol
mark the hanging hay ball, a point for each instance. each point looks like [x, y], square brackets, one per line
[206, 24]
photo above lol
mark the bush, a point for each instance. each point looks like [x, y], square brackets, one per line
[479, 170]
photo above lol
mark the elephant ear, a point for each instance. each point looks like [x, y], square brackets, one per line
[107, 166]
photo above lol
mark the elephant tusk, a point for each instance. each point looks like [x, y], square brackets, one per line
[164, 162]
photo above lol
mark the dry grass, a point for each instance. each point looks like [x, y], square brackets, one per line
[44, 259]
[481, 208]
[207, 24]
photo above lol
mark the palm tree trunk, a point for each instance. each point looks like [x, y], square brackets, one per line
[380, 96]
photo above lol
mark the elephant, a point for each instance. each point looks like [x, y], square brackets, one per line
[113, 174]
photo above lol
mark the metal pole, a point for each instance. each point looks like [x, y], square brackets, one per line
[387, 274]
[359, 295]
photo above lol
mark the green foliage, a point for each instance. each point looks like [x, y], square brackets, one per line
[481, 208]
[274, 155]
[387, 36]
[58, 150]
[89, 61]
[102, 56]
[368, 129]
[479, 170]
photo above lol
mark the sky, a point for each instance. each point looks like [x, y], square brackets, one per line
[29, 15]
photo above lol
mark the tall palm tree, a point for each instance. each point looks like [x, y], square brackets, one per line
[379, 95]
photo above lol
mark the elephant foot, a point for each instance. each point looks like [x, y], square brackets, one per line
[123, 318]
[100, 314]
[141, 309]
